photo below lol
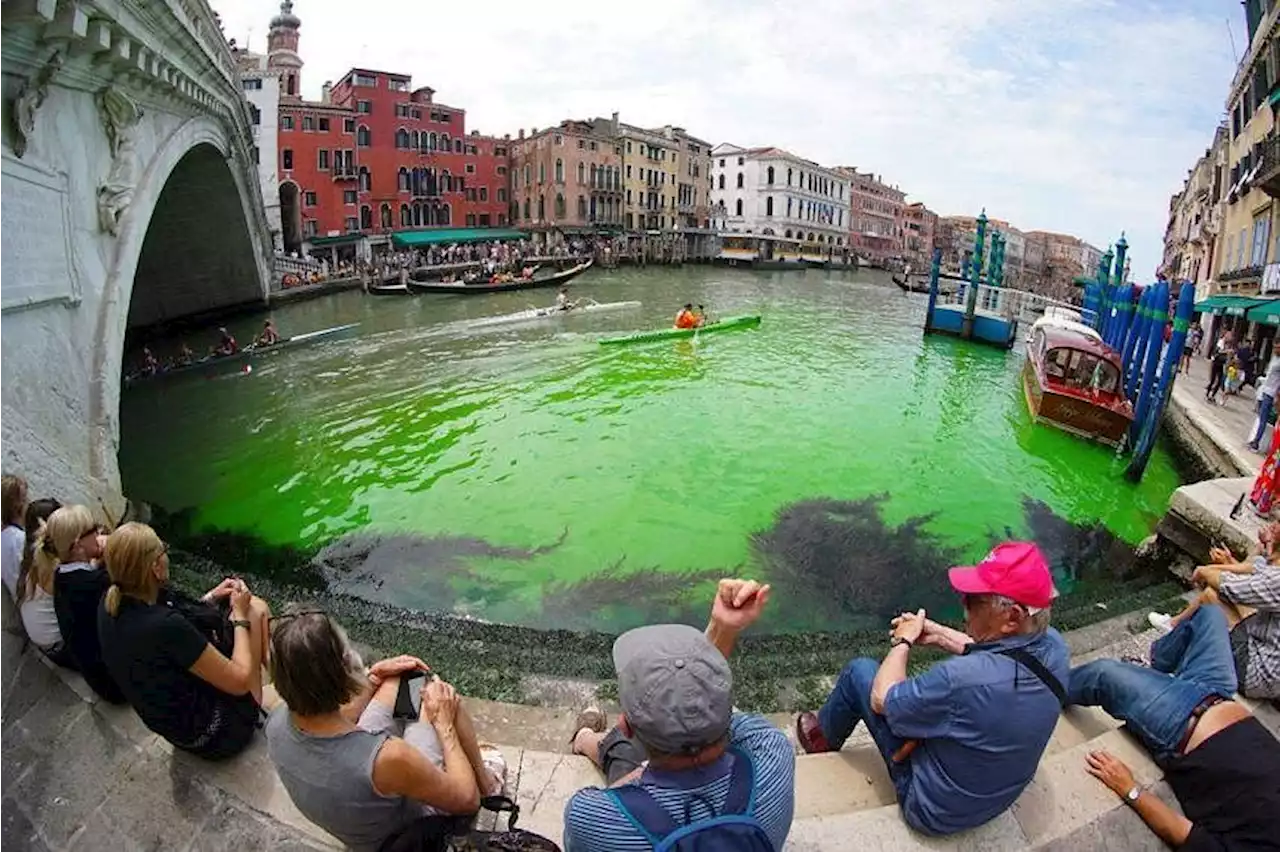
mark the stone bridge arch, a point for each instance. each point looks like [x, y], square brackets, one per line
[185, 245]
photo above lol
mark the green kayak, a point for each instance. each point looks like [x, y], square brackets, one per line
[745, 321]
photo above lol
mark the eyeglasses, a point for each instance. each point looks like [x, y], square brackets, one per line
[94, 530]
[289, 615]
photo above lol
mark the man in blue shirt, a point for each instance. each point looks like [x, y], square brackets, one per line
[678, 744]
[963, 739]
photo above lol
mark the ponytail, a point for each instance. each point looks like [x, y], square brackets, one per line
[44, 558]
[112, 601]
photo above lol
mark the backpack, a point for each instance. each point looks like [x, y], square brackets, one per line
[735, 829]
[443, 833]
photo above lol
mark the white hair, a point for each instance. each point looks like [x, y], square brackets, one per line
[1037, 620]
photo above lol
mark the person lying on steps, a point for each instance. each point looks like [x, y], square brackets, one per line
[1223, 766]
[679, 757]
[963, 739]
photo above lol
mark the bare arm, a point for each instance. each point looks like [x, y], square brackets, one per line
[385, 692]
[233, 676]
[1169, 825]
[737, 604]
[724, 638]
[400, 769]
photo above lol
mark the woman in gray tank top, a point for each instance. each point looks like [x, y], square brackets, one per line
[331, 746]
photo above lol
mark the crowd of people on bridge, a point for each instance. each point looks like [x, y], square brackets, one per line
[386, 758]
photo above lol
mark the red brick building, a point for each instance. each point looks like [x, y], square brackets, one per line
[375, 155]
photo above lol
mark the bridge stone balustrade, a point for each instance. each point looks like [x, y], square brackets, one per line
[130, 198]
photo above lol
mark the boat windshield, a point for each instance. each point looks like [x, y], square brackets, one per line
[1081, 370]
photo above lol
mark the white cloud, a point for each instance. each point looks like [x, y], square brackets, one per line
[1072, 115]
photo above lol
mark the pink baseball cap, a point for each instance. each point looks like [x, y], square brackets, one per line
[1015, 569]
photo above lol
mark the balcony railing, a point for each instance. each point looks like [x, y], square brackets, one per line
[343, 172]
[1247, 273]
[1268, 177]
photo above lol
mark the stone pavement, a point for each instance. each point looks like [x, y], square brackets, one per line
[1224, 429]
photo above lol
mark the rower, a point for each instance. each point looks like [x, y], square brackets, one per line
[700, 317]
[185, 355]
[686, 318]
[226, 345]
[562, 300]
[269, 336]
[150, 366]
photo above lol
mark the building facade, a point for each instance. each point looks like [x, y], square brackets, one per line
[772, 192]
[566, 178]
[1195, 218]
[876, 223]
[261, 85]
[376, 155]
[919, 231]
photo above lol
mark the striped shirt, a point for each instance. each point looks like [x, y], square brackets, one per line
[1260, 590]
[593, 824]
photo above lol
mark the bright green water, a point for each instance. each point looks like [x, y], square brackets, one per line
[662, 456]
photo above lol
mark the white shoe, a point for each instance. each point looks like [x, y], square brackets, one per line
[1160, 621]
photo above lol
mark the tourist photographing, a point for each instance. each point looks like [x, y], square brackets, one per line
[68, 547]
[333, 746]
[193, 675]
[963, 739]
[35, 592]
[13, 538]
[1220, 761]
[679, 755]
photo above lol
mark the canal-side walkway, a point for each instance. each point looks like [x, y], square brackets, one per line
[1216, 434]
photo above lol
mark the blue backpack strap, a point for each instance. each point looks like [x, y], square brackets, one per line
[643, 810]
[741, 797]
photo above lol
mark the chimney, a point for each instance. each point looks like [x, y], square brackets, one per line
[506, 136]
[614, 123]
[668, 132]
[521, 134]
[326, 92]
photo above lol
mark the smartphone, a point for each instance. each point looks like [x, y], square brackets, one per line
[409, 698]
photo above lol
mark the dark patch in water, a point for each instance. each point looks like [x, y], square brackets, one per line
[837, 565]
[626, 599]
[1077, 551]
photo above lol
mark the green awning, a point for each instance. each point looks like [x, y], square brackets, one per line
[1223, 303]
[339, 240]
[436, 236]
[1268, 312]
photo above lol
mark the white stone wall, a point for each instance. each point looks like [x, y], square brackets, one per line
[757, 190]
[68, 271]
[266, 135]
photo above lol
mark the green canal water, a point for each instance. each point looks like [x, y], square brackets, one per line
[527, 475]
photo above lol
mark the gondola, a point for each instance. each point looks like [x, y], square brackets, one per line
[912, 287]
[555, 280]
[243, 355]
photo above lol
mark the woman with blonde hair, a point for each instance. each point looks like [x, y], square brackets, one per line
[35, 594]
[13, 505]
[193, 675]
[68, 547]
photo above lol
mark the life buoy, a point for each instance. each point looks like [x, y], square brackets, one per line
[289, 280]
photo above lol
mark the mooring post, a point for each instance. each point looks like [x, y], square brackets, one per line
[971, 298]
[935, 270]
[1134, 341]
[1147, 397]
[1109, 301]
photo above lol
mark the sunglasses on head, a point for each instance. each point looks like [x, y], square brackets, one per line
[288, 615]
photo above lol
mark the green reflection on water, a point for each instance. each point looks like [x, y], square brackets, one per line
[658, 460]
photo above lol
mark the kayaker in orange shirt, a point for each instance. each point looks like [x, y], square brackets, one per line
[686, 318]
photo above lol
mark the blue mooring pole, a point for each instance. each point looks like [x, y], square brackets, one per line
[1151, 358]
[1168, 371]
[1108, 297]
[971, 298]
[1132, 338]
[934, 271]
[1092, 303]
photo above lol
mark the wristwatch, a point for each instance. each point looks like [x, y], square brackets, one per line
[900, 640]
[241, 622]
[1131, 797]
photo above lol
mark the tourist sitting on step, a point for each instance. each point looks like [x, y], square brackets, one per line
[13, 508]
[66, 557]
[963, 739]
[192, 670]
[349, 760]
[35, 592]
[1247, 594]
[679, 755]
[1219, 760]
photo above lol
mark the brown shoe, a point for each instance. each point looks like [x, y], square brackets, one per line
[809, 734]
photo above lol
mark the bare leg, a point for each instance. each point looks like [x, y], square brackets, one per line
[259, 615]
[1188, 611]
[587, 743]
[1235, 614]
[471, 747]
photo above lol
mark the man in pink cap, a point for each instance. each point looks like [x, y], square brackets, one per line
[963, 739]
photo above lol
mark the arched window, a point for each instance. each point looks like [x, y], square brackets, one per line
[406, 218]
[385, 213]
[582, 173]
[770, 177]
[444, 141]
[446, 181]
[366, 217]
[722, 181]
[738, 207]
[559, 206]
[432, 141]
[363, 137]
[402, 179]
[594, 175]
[559, 170]
[582, 205]
[418, 218]
[526, 209]
[446, 215]
[414, 141]
[528, 174]
[768, 205]
[810, 237]
[788, 177]
[542, 173]
[457, 146]
[542, 208]
[402, 138]
[366, 180]
[739, 180]
[788, 233]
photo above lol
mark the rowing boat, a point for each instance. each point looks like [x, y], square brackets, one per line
[545, 313]
[503, 286]
[246, 354]
[745, 321]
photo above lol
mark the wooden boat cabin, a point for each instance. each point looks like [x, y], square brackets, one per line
[1074, 381]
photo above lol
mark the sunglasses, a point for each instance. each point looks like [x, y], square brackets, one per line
[288, 615]
[94, 530]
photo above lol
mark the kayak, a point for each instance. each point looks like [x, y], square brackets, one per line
[745, 321]
[544, 313]
[246, 354]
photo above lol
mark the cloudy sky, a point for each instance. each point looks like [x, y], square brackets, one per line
[1071, 115]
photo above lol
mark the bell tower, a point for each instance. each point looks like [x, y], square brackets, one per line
[282, 50]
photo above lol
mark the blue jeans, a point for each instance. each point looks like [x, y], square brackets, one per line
[1189, 664]
[849, 704]
[1265, 404]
